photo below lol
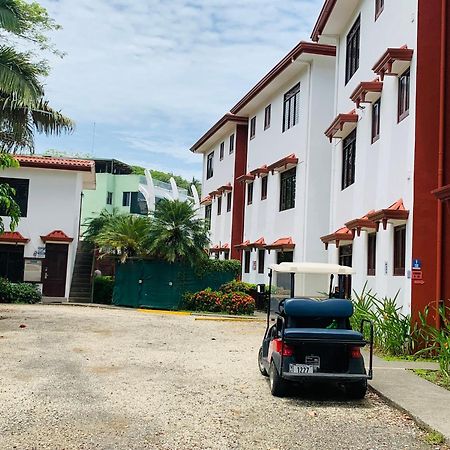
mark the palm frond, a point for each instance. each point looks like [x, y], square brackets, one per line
[19, 76]
[10, 16]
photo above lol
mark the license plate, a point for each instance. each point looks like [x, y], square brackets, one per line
[301, 368]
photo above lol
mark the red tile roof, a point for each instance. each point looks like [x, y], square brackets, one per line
[396, 213]
[57, 236]
[338, 124]
[46, 162]
[259, 243]
[243, 246]
[260, 170]
[363, 223]
[285, 243]
[246, 177]
[341, 235]
[13, 236]
[290, 160]
[384, 66]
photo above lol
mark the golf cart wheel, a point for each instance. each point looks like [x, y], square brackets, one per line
[277, 384]
[356, 390]
[262, 369]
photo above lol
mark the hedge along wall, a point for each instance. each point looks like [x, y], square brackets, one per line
[161, 285]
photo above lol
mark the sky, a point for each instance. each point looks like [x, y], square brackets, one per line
[144, 79]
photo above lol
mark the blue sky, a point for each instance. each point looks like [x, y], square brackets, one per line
[154, 75]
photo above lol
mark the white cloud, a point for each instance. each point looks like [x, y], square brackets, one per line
[161, 72]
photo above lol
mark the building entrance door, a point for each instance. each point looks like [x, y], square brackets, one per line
[54, 270]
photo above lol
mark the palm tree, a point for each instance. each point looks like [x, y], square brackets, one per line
[126, 235]
[176, 234]
[23, 109]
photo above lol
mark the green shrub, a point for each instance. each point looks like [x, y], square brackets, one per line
[436, 341]
[18, 292]
[103, 290]
[393, 334]
[216, 301]
[237, 286]
[218, 265]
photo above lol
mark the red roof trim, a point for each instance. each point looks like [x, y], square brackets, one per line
[217, 126]
[244, 246]
[225, 188]
[44, 162]
[338, 123]
[214, 193]
[363, 223]
[56, 236]
[303, 47]
[245, 178]
[322, 20]
[384, 65]
[283, 162]
[260, 171]
[285, 243]
[259, 243]
[442, 193]
[218, 248]
[13, 236]
[206, 200]
[359, 94]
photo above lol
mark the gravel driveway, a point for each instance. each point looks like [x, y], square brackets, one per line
[87, 378]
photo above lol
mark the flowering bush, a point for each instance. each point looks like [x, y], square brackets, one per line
[216, 301]
[237, 286]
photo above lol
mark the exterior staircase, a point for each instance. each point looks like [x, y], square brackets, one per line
[80, 290]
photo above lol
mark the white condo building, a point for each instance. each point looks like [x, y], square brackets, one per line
[343, 154]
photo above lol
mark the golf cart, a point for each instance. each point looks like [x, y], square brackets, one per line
[308, 337]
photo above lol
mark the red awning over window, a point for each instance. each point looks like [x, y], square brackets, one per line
[285, 243]
[284, 163]
[341, 236]
[247, 178]
[206, 200]
[263, 170]
[362, 223]
[394, 61]
[13, 237]
[396, 214]
[367, 92]
[225, 188]
[342, 125]
[244, 246]
[57, 236]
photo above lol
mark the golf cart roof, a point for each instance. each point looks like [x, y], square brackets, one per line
[315, 268]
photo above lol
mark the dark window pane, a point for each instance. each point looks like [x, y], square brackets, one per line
[376, 116]
[379, 6]
[403, 95]
[138, 204]
[352, 51]
[229, 198]
[209, 165]
[219, 205]
[291, 107]
[267, 114]
[21, 186]
[126, 198]
[208, 209]
[249, 193]
[252, 127]
[287, 189]
[261, 257]
[109, 198]
[11, 262]
[246, 261]
[285, 257]
[348, 160]
[371, 254]
[264, 187]
[222, 150]
[231, 144]
[399, 250]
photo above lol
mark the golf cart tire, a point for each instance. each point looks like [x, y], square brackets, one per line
[261, 367]
[277, 384]
[356, 390]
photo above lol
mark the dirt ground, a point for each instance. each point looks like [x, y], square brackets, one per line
[87, 378]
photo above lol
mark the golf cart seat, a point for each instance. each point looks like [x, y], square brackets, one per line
[307, 307]
[323, 334]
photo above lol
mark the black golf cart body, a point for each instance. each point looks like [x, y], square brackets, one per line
[311, 340]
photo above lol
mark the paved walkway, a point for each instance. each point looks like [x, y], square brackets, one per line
[427, 403]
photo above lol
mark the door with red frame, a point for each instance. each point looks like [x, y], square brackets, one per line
[54, 270]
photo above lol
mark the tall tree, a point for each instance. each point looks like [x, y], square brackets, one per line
[23, 108]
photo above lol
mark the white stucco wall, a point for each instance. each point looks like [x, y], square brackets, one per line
[309, 218]
[384, 170]
[53, 204]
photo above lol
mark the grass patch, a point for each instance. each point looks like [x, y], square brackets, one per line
[403, 357]
[434, 438]
[434, 376]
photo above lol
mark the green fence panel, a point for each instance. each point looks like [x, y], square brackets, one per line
[160, 285]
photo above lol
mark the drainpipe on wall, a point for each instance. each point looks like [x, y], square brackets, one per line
[442, 90]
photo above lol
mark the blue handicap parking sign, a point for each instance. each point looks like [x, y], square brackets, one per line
[417, 264]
